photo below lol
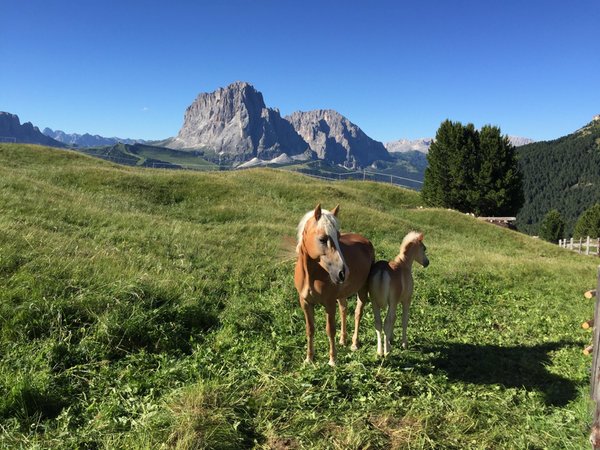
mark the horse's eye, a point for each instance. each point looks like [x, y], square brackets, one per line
[323, 240]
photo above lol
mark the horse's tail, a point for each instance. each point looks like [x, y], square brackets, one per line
[379, 284]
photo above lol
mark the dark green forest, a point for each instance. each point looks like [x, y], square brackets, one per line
[563, 174]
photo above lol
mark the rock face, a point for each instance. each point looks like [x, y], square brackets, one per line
[11, 130]
[87, 140]
[407, 145]
[334, 138]
[235, 121]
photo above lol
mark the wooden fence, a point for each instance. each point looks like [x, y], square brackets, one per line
[595, 376]
[588, 245]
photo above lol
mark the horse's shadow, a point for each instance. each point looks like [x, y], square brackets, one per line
[512, 367]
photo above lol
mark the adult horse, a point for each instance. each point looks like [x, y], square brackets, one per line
[330, 266]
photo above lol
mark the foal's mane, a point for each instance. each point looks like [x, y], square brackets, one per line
[410, 238]
[327, 222]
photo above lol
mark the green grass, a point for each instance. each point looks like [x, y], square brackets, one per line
[152, 156]
[141, 308]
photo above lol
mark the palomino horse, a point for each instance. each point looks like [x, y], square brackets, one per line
[391, 283]
[330, 266]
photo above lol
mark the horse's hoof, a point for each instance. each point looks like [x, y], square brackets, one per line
[332, 363]
[308, 361]
[342, 342]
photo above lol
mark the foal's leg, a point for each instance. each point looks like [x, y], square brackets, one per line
[388, 327]
[361, 299]
[405, 310]
[330, 316]
[343, 304]
[309, 315]
[377, 316]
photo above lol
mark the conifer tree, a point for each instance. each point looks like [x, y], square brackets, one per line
[473, 171]
[588, 223]
[552, 227]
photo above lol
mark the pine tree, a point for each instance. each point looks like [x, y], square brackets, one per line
[500, 183]
[552, 227]
[436, 184]
[588, 223]
[473, 171]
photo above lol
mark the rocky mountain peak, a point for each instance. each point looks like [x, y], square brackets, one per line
[236, 122]
[335, 138]
[11, 127]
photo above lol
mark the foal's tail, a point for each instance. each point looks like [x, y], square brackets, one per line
[379, 283]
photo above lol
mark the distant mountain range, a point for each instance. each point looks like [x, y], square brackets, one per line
[235, 123]
[422, 145]
[233, 126]
[11, 130]
[87, 140]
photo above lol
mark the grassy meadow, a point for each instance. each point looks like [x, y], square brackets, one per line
[145, 308]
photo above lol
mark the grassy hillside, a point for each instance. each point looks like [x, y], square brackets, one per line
[150, 156]
[142, 307]
[560, 174]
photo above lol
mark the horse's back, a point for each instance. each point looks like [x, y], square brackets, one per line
[359, 255]
[379, 283]
[358, 252]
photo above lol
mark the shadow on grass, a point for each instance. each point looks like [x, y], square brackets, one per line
[512, 367]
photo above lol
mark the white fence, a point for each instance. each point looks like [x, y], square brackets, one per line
[588, 245]
[364, 175]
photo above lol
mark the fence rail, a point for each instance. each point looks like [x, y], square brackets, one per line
[364, 175]
[578, 245]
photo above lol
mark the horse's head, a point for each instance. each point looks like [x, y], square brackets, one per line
[413, 248]
[318, 237]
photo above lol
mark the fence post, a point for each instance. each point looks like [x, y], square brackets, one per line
[580, 242]
[595, 377]
[560, 243]
[571, 244]
[587, 249]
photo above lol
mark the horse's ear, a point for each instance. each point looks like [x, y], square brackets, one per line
[336, 210]
[420, 237]
[318, 212]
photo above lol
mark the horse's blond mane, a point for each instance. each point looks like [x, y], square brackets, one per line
[411, 237]
[328, 222]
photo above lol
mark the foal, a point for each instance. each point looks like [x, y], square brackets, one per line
[330, 266]
[391, 283]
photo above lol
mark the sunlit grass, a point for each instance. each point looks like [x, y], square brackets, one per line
[147, 307]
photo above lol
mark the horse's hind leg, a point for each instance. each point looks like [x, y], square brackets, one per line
[388, 327]
[378, 326]
[343, 304]
[361, 299]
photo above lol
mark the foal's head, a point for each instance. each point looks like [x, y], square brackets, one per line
[413, 249]
[318, 237]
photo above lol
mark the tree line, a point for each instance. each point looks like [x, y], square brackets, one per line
[551, 187]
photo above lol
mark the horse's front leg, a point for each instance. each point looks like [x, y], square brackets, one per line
[309, 315]
[343, 304]
[405, 314]
[330, 315]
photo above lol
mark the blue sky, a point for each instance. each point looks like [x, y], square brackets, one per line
[395, 68]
